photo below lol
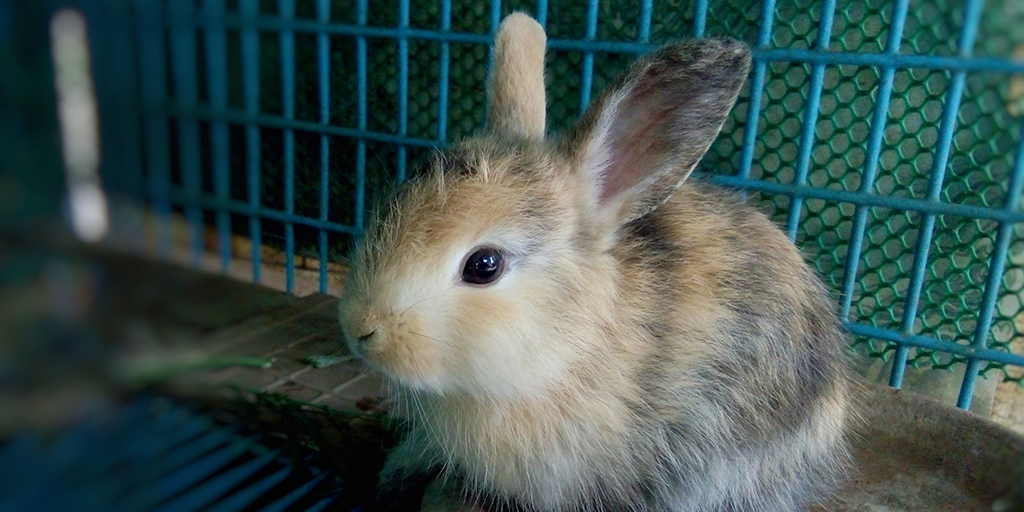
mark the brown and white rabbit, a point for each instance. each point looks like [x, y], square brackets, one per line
[571, 325]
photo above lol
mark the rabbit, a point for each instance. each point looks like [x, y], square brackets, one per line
[571, 324]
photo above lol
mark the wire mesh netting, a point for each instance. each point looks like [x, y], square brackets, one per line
[883, 136]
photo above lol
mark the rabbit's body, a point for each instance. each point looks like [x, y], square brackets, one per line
[645, 345]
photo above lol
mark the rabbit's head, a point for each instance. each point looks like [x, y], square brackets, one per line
[490, 272]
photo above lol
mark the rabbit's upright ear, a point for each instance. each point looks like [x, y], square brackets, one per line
[644, 136]
[517, 101]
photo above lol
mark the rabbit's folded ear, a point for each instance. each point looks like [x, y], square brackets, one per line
[640, 141]
[516, 85]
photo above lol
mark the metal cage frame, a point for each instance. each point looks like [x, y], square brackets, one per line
[181, 21]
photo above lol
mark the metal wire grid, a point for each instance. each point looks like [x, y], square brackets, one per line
[170, 30]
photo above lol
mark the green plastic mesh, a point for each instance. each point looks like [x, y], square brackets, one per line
[977, 173]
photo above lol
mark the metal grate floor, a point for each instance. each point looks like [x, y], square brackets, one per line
[155, 455]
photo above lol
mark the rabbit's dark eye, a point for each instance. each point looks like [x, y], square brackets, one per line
[484, 266]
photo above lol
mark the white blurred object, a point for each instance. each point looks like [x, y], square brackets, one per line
[79, 125]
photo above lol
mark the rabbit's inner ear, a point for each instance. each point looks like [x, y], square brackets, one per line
[517, 101]
[645, 135]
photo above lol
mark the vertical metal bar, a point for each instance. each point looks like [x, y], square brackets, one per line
[323, 42]
[879, 119]
[542, 13]
[947, 127]
[495, 15]
[362, 18]
[443, 73]
[183, 65]
[217, 91]
[587, 81]
[495, 21]
[403, 83]
[700, 18]
[286, 10]
[124, 92]
[994, 281]
[764, 37]
[153, 82]
[250, 40]
[646, 7]
[807, 136]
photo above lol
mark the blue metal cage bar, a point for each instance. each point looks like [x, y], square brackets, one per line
[807, 135]
[188, 112]
[250, 43]
[323, 42]
[287, 11]
[901, 61]
[183, 64]
[879, 120]
[217, 85]
[938, 172]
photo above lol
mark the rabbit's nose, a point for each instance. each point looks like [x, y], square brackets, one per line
[366, 337]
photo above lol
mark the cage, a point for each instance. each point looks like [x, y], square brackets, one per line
[249, 137]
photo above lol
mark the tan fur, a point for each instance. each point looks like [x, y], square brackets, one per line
[654, 344]
[517, 103]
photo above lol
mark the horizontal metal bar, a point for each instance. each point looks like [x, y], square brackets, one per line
[935, 344]
[273, 24]
[178, 195]
[236, 116]
[894, 203]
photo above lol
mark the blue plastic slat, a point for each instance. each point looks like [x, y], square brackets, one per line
[764, 37]
[323, 42]
[186, 91]
[810, 124]
[879, 119]
[201, 469]
[322, 505]
[994, 282]
[947, 127]
[148, 445]
[216, 487]
[220, 143]
[286, 501]
[242, 498]
[27, 497]
[155, 130]
[12, 452]
[587, 80]
[250, 43]
[179, 469]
